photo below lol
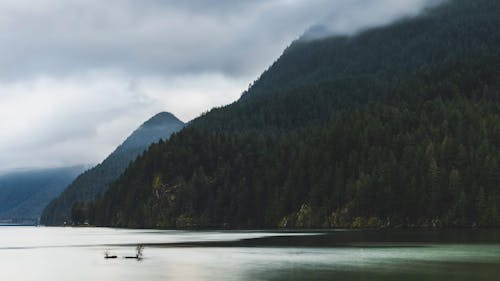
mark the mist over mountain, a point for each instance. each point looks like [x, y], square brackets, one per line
[348, 71]
[189, 56]
[396, 126]
[93, 182]
[24, 194]
[366, 15]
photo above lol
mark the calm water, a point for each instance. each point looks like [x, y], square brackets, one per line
[38, 253]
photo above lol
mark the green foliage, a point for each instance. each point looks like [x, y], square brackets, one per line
[80, 213]
[313, 78]
[399, 172]
[94, 182]
[397, 126]
[304, 217]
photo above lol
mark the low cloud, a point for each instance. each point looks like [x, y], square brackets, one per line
[81, 74]
[50, 122]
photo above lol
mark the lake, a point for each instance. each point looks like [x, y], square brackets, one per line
[43, 253]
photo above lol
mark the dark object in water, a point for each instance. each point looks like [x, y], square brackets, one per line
[138, 253]
[108, 256]
[132, 257]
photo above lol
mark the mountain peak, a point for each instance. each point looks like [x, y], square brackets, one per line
[161, 119]
[95, 181]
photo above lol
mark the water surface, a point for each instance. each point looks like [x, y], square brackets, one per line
[39, 253]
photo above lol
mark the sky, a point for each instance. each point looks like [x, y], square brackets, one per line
[78, 76]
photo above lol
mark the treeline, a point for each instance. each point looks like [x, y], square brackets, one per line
[428, 162]
[86, 187]
[396, 126]
[95, 181]
[437, 162]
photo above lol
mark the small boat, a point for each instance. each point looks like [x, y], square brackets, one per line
[138, 253]
[108, 256]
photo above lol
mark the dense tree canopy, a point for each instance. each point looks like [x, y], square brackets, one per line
[95, 181]
[396, 126]
[432, 160]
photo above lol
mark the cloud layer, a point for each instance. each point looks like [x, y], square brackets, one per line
[81, 74]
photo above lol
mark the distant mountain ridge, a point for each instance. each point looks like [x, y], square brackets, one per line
[394, 127]
[24, 194]
[95, 181]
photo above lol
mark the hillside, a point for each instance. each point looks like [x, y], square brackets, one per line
[395, 126]
[314, 78]
[23, 195]
[94, 182]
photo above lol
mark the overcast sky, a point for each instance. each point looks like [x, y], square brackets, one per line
[77, 76]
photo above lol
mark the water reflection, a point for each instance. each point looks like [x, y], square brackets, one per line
[77, 254]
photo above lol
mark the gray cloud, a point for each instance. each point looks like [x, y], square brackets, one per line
[236, 38]
[80, 74]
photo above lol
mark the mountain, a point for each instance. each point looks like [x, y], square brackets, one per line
[23, 195]
[314, 78]
[395, 126]
[94, 182]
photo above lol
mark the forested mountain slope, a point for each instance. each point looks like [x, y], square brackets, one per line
[398, 125]
[23, 195]
[313, 78]
[95, 181]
